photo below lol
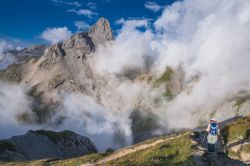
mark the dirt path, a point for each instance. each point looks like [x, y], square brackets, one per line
[125, 151]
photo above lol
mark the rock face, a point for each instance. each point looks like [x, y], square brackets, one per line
[101, 31]
[78, 45]
[45, 144]
[64, 66]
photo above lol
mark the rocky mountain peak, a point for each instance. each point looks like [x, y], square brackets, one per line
[78, 45]
[101, 31]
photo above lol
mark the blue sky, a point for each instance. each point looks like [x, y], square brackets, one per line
[24, 21]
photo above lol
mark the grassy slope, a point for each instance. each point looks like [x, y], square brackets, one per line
[175, 152]
[239, 130]
[165, 79]
[91, 158]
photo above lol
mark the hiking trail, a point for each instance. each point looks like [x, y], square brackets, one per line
[126, 151]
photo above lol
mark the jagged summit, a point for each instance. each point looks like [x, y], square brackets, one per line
[101, 31]
[98, 33]
[84, 42]
[78, 45]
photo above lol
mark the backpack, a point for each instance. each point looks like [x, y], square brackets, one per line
[213, 128]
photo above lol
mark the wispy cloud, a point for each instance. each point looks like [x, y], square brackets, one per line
[57, 2]
[9, 112]
[85, 12]
[75, 3]
[69, 3]
[153, 6]
[91, 5]
[133, 23]
[55, 35]
[81, 25]
[6, 58]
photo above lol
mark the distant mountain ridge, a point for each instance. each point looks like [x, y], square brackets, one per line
[45, 144]
[22, 55]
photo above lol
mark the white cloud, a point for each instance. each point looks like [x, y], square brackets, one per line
[120, 53]
[208, 39]
[81, 111]
[91, 5]
[6, 58]
[55, 35]
[153, 6]
[69, 3]
[85, 12]
[133, 23]
[170, 17]
[19, 48]
[81, 25]
[74, 3]
[9, 125]
[4, 45]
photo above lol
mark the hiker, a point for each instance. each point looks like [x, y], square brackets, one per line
[213, 132]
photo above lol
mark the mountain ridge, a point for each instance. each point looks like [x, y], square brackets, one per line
[45, 144]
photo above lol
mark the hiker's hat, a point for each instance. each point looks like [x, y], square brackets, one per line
[213, 120]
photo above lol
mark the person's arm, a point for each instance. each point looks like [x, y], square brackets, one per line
[208, 128]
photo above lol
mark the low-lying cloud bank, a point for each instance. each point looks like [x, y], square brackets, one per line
[76, 112]
[209, 40]
[13, 103]
[6, 58]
